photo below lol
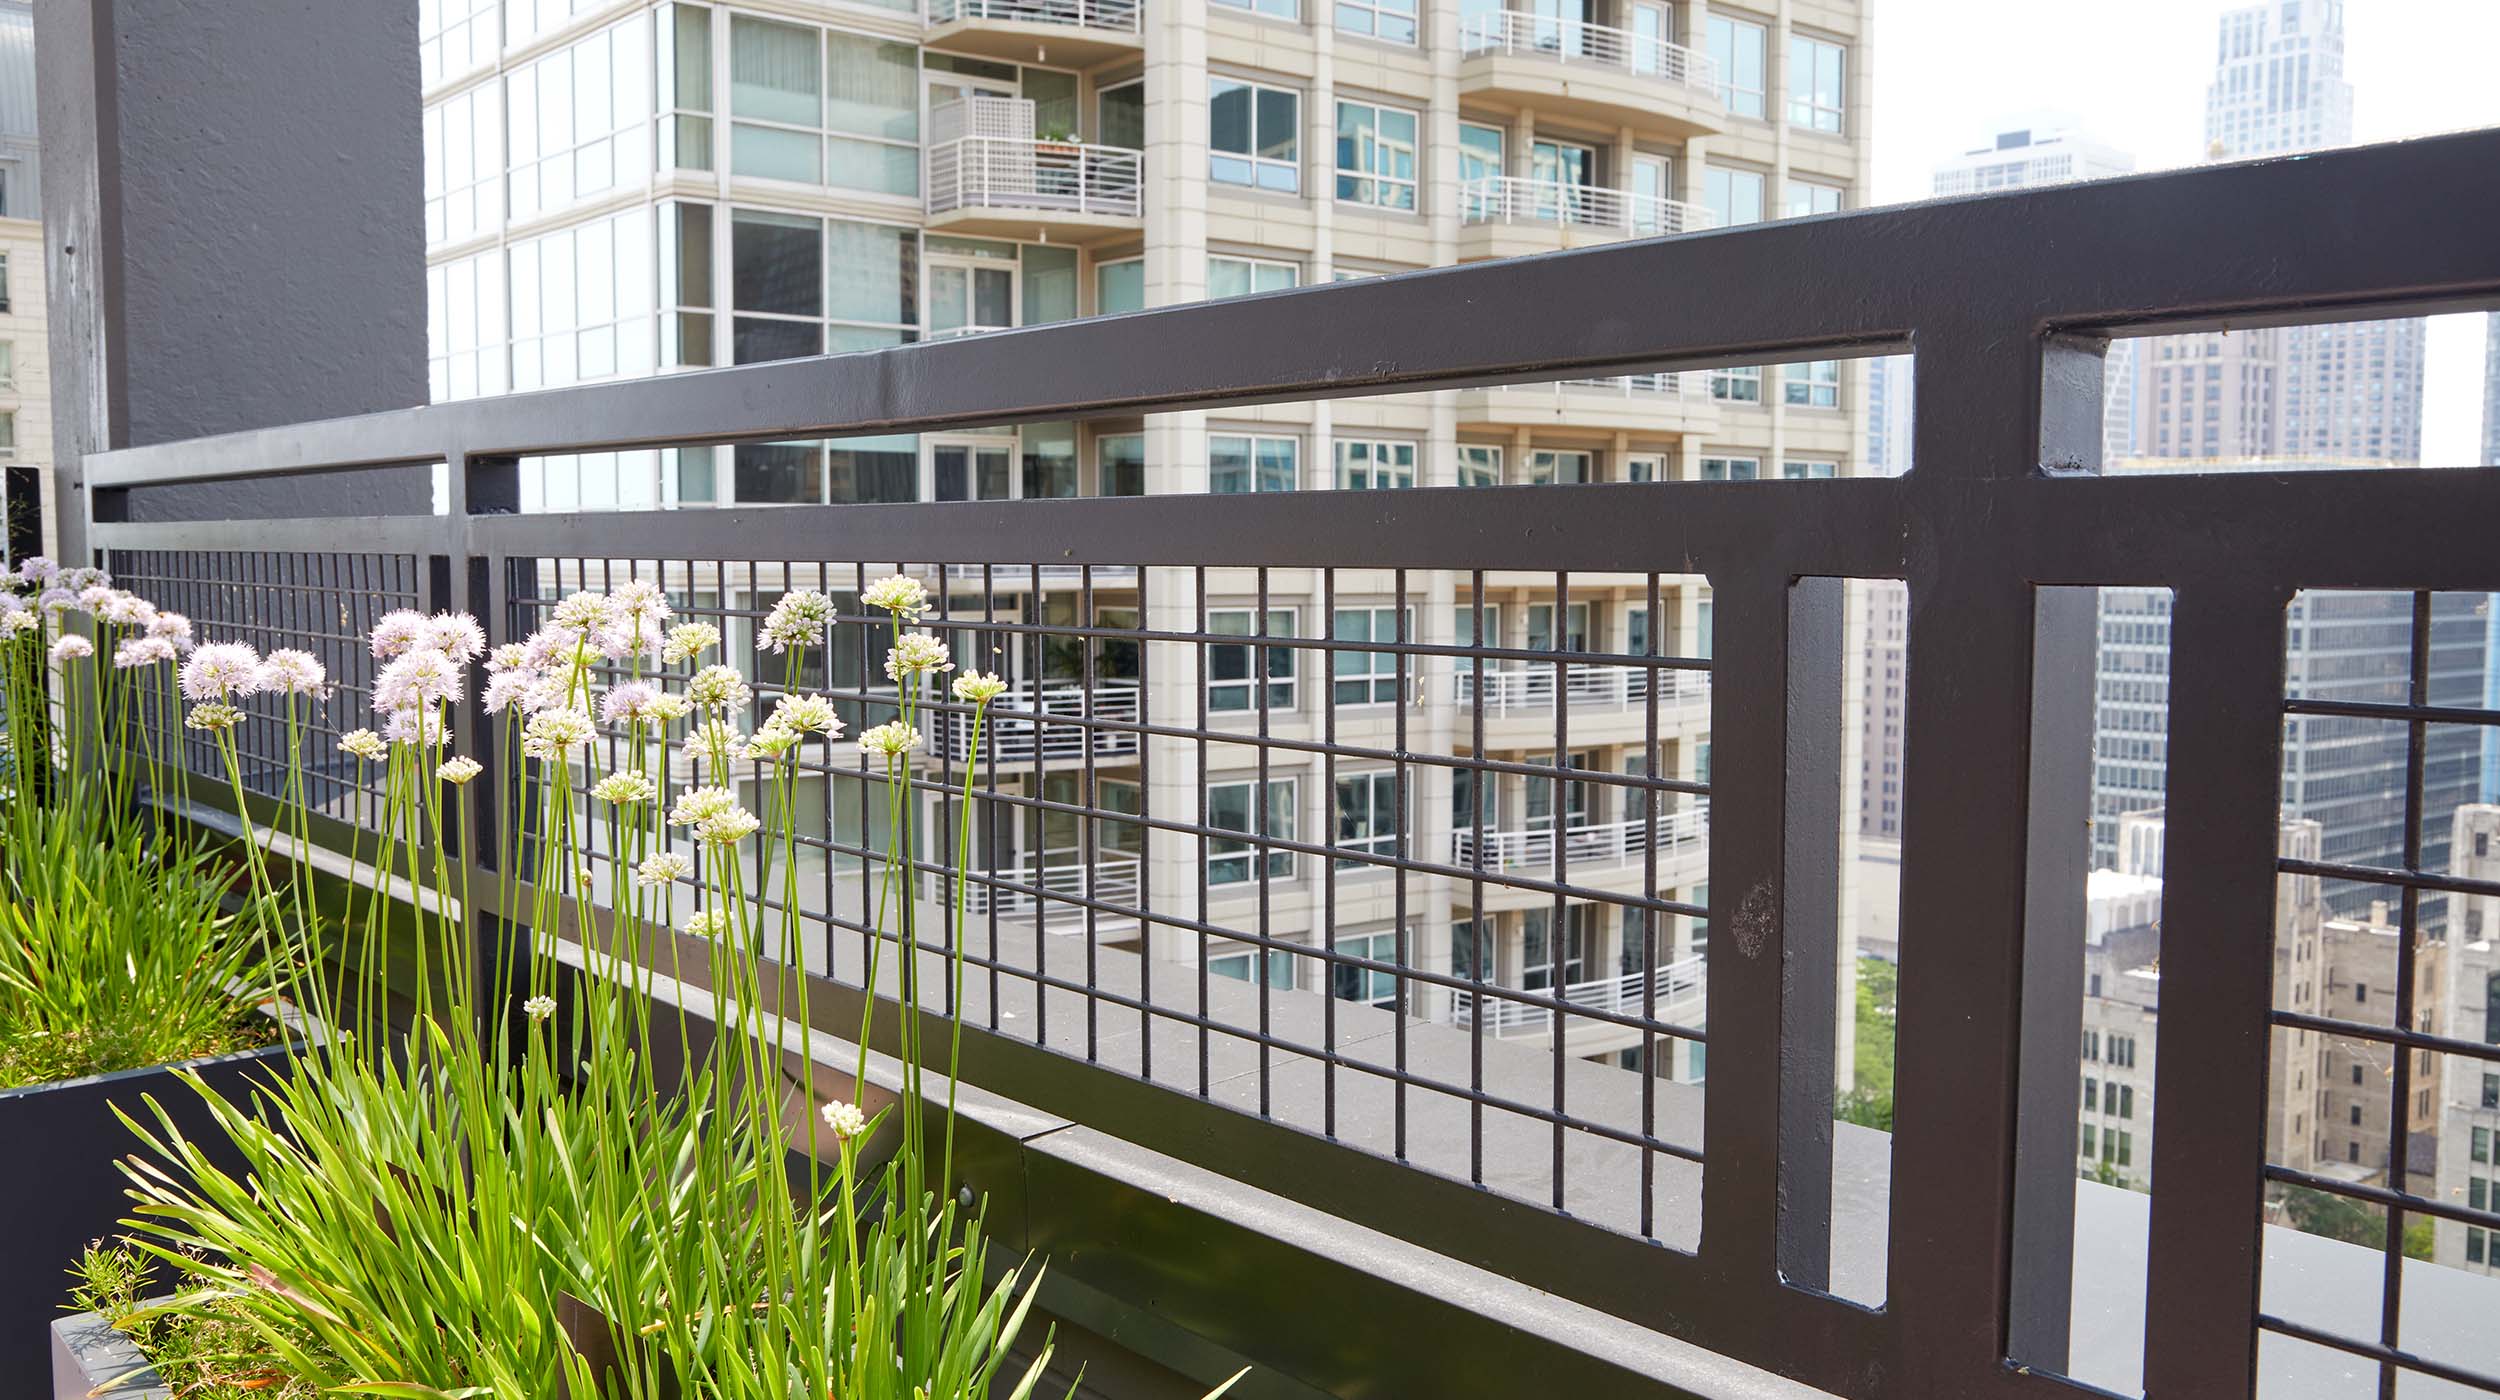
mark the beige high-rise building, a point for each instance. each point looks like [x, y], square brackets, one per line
[25, 384]
[2468, 1172]
[636, 188]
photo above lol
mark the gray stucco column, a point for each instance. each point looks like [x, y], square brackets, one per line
[232, 235]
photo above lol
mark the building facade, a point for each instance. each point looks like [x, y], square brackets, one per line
[25, 383]
[2469, 1091]
[620, 189]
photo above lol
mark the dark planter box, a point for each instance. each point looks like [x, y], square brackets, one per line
[86, 1353]
[64, 1188]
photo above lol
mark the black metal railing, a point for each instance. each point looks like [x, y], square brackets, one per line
[1703, 1212]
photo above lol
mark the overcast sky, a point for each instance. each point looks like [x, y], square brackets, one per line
[2133, 72]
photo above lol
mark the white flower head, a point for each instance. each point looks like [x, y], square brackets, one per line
[458, 771]
[714, 740]
[892, 739]
[640, 598]
[585, 612]
[80, 580]
[142, 651]
[667, 707]
[19, 619]
[663, 867]
[126, 610]
[705, 923]
[418, 676]
[511, 656]
[798, 620]
[455, 635]
[221, 671]
[900, 595]
[807, 714]
[696, 806]
[769, 743]
[213, 715]
[550, 647]
[172, 627]
[505, 687]
[540, 1007]
[57, 600]
[729, 828]
[918, 653]
[288, 671]
[418, 724]
[397, 632]
[845, 1119]
[628, 637]
[628, 702]
[72, 648]
[363, 743]
[552, 733]
[36, 569]
[94, 598]
[688, 640]
[979, 687]
[625, 789]
[718, 688]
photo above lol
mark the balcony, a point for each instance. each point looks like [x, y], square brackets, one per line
[1504, 215]
[1049, 725]
[1626, 403]
[1054, 886]
[990, 175]
[1571, 68]
[1073, 33]
[1678, 993]
[1680, 838]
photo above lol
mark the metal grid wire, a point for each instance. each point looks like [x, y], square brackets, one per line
[2410, 1041]
[1141, 809]
[325, 604]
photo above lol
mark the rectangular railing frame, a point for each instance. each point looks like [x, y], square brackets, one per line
[2008, 301]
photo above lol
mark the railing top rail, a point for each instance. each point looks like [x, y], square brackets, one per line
[2239, 245]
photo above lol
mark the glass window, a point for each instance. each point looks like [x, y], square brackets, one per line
[1254, 135]
[1366, 677]
[1273, 9]
[775, 76]
[1738, 48]
[1734, 196]
[1229, 808]
[1539, 966]
[1365, 465]
[1809, 471]
[1237, 966]
[1393, 20]
[1815, 71]
[8, 430]
[1049, 271]
[1233, 277]
[1119, 286]
[803, 286]
[1479, 464]
[1230, 666]
[1803, 197]
[1730, 468]
[1813, 384]
[1742, 384]
[1120, 116]
[1479, 152]
[1376, 155]
[1237, 463]
[1364, 984]
[1367, 816]
[8, 363]
[1120, 465]
[872, 113]
[1548, 466]
[685, 97]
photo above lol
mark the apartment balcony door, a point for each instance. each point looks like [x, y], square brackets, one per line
[971, 469]
[1653, 181]
[1561, 170]
[969, 293]
[1652, 24]
[1558, 25]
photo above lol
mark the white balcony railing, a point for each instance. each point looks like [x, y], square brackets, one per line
[1601, 844]
[1031, 175]
[1630, 386]
[1058, 736]
[1530, 688]
[1121, 16]
[1513, 199]
[1677, 993]
[1047, 883]
[1574, 41]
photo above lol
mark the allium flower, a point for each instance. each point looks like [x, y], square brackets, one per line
[640, 597]
[892, 738]
[458, 771]
[845, 1119]
[729, 828]
[917, 653]
[455, 635]
[705, 923]
[539, 1007]
[72, 648]
[714, 739]
[221, 671]
[798, 620]
[396, 632]
[505, 687]
[551, 647]
[126, 610]
[19, 619]
[37, 569]
[628, 702]
[511, 656]
[142, 651]
[688, 640]
[416, 725]
[173, 627]
[979, 687]
[551, 733]
[625, 789]
[214, 715]
[585, 612]
[719, 688]
[80, 580]
[628, 637]
[95, 597]
[662, 867]
[696, 806]
[420, 676]
[291, 672]
[900, 595]
[57, 600]
[807, 714]
[671, 707]
[770, 742]
[363, 743]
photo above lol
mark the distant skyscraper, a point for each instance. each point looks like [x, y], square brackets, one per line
[2491, 458]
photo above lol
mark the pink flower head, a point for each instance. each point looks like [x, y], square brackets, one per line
[142, 651]
[629, 636]
[292, 672]
[416, 724]
[172, 627]
[126, 609]
[56, 600]
[509, 687]
[35, 568]
[456, 635]
[422, 676]
[72, 648]
[628, 702]
[397, 632]
[221, 671]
